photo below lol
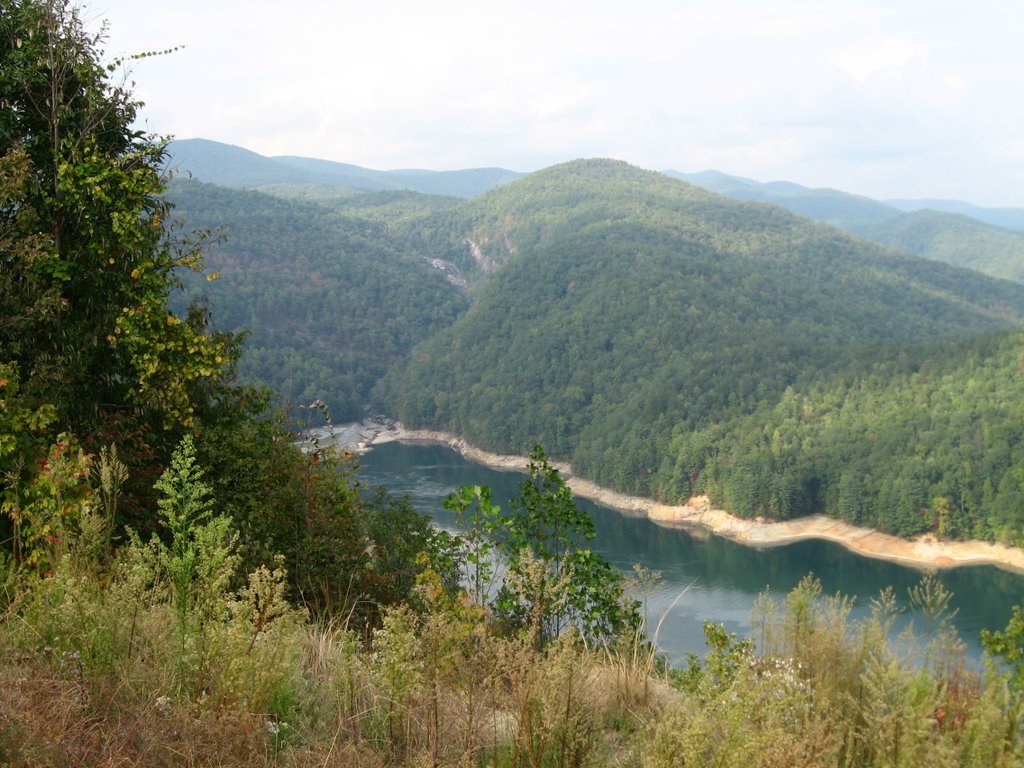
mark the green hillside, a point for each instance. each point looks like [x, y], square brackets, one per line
[954, 239]
[626, 309]
[926, 438]
[330, 301]
[654, 333]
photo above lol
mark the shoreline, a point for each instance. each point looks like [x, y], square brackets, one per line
[923, 552]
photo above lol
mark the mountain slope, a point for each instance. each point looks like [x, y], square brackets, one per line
[330, 301]
[1008, 218]
[668, 340]
[624, 309]
[840, 209]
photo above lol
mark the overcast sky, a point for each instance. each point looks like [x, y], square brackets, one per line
[886, 98]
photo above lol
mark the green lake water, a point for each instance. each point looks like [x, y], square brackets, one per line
[721, 579]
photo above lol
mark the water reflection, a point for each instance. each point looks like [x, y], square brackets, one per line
[721, 578]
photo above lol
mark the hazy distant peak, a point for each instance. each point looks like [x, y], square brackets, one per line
[231, 166]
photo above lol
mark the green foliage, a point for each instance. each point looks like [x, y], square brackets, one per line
[199, 563]
[1008, 644]
[480, 520]
[48, 510]
[89, 258]
[200, 559]
[347, 553]
[93, 260]
[551, 582]
[329, 301]
[727, 656]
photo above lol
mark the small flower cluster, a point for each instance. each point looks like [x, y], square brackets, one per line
[784, 683]
[783, 670]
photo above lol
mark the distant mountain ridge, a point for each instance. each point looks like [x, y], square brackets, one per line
[1009, 218]
[840, 209]
[231, 166]
[950, 231]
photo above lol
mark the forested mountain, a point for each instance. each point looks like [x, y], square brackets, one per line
[953, 232]
[666, 339]
[232, 166]
[644, 328]
[329, 300]
[180, 583]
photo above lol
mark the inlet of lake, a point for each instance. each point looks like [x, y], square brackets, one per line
[718, 578]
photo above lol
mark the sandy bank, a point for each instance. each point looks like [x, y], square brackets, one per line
[922, 552]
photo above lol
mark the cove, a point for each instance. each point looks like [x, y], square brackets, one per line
[721, 578]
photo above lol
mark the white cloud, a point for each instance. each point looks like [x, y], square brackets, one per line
[886, 58]
[898, 99]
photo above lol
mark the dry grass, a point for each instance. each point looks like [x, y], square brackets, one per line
[49, 720]
[84, 682]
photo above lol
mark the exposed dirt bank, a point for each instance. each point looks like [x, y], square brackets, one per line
[922, 552]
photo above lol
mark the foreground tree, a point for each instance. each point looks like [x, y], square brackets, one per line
[551, 580]
[89, 257]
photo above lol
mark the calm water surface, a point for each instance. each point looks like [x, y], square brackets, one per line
[721, 579]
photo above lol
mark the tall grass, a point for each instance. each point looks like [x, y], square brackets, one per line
[159, 655]
[89, 672]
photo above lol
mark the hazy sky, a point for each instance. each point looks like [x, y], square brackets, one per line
[887, 98]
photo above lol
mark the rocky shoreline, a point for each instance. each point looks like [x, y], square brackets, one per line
[924, 552]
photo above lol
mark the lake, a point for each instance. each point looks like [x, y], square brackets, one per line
[721, 578]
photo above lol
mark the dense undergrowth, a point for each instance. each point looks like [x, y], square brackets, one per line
[164, 653]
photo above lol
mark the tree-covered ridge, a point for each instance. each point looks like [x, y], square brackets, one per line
[953, 233]
[954, 239]
[614, 326]
[1007, 218]
[329, 301]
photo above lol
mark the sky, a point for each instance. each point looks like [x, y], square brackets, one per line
[884, 98]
